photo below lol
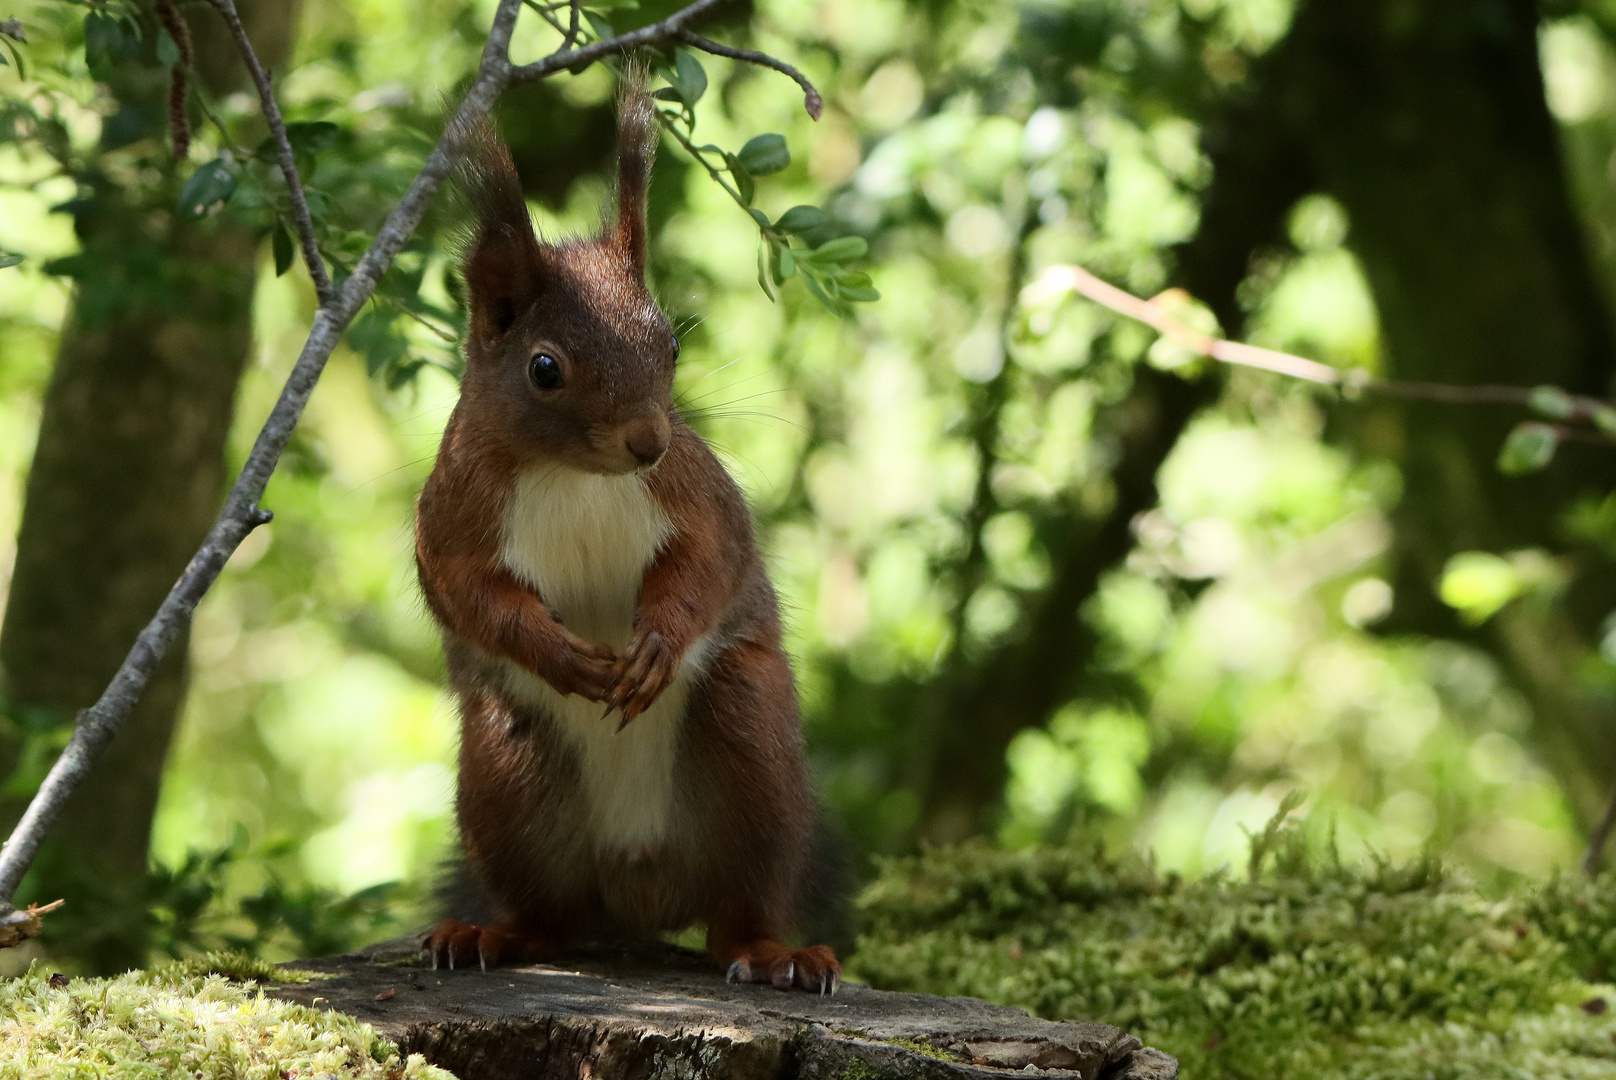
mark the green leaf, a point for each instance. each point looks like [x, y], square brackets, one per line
[1553, 402]
[168, 53]
[862, 295]
[104, 41]
[9, 260]
[759, 216]
[599, 24]
[840, 250]
[763, 272]
[1605, 420]
[312, 136]
[208, 187]
[72, 266]
[692, 76]
[801, 219]
[281, 244]
[1477, 584]
[667, 93]
[819, 293]
[744, 184]
[765, 155]
[401, 375]
[778, 254]
[788, 262]
[1528, 448]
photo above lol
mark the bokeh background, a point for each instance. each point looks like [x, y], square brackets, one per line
[1044, 577]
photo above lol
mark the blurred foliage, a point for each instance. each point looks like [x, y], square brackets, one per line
[1301, 966]
[918, 469]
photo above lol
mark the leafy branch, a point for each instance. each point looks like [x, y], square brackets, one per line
[823, 267]
[338, 306]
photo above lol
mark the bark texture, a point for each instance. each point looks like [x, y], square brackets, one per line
[666, 1013]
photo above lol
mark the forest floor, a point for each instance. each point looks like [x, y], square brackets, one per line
[1301, 967]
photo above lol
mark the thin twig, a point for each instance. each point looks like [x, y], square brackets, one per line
[547, 13]
[179, 124]
[97, 724]
[283, 151]
[241, 514]
[572, 26]
[695, 151]
[1057, 280]
[811, 99]
[562, 59]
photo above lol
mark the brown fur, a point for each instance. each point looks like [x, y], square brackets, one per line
[735, 847]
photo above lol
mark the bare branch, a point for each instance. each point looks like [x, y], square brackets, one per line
[666, 30]
[97, 725]
[547, 13]
[572, 25]
[179, 124]
[283, 151]
[811, 99]
[1057, 280]
[241, 514]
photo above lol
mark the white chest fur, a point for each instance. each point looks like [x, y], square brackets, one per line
[583, 541]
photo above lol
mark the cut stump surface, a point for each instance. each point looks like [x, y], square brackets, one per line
[615, 1015]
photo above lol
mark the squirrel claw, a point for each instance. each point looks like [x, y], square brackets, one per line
[738, 972]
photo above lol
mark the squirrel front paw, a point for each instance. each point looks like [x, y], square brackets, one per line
[577, 666]
[646, 669]
[452, 941]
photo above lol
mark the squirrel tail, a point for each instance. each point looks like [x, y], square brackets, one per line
[825, 906]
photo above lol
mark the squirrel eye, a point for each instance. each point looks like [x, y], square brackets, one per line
[676, 346]
[545, 371]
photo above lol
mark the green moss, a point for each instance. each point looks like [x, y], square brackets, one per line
[1305, 968]
[236, 965]
[925, 1048]
[175, 1022]
[859, 1070]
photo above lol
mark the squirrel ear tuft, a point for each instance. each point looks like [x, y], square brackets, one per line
[636, 150]
[502, 261]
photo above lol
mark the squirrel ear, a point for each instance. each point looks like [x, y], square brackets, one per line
[636, 150]
[502, 262]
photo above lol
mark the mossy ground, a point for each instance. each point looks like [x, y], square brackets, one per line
[1304, 968]
[185, 1019]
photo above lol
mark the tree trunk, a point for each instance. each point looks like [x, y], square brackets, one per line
[127, 476]
[1426, 119]
[978, 708]
[643, 1012]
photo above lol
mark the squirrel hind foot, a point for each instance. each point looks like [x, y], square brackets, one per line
[814, 969]
[452, 942]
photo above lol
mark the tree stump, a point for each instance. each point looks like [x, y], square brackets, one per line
[650, 1014]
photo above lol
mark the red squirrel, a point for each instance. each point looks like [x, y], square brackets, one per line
[631, 757]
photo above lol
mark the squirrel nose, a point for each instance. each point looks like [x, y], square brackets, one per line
[647, 438]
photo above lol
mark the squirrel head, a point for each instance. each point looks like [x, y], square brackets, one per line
[568, 357]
